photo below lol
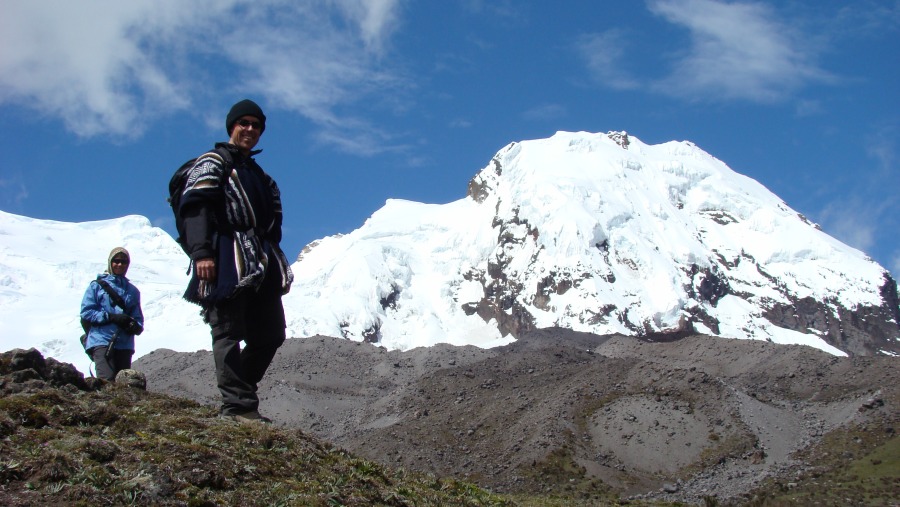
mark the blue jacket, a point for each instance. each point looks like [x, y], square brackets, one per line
[96, 308]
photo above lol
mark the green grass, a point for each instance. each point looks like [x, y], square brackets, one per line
[120, 446]
[860, 466]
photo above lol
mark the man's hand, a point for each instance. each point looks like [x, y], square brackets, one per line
[206, 269]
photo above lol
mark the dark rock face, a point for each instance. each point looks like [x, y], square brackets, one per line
[862, 331]
[859, 331]
[479, 189]
[621, 138]
[711, 287]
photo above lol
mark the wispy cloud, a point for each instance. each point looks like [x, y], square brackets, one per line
[806, 108]
[882, 147]
[863, 18]
[13, 191]
[603, 53]
[734, 51]
[460, 123]
[545, 112]
[866, 208]
[101, 66]
[852, 220]
[737, 51]
[83, 63]
[376, 20]
[502, 9]
[358, 137]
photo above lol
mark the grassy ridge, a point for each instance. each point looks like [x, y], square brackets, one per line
[118, 445]
[86, 443]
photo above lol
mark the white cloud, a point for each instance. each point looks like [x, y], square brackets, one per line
[604, 54]
[739, 50]
[376, 19]
[545, 112]
[82, 62]
[460, 123]
[357, 138]
[852, 222]
[865, 18]
[894, 268]
[864, 209]
[504, 9]
[735, 51]
[100, 66]
[806, 108]
[13, 191]
[882, 147]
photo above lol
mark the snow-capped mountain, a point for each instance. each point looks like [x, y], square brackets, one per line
[594, 232]
[598, 233]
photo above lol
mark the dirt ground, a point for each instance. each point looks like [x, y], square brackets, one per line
[558, 410]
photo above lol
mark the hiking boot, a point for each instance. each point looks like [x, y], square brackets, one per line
[248, 417]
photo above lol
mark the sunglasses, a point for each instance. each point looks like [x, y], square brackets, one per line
[247, 123]
[120, 261]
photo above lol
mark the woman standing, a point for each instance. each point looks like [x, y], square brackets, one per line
[112, 307]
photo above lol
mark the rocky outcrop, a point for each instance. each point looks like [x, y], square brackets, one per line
[866, 330]
[28, 369]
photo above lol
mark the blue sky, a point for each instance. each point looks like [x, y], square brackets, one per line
[371, 100]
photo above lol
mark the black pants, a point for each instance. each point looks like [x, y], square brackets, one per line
[257, 319]
[108, 368]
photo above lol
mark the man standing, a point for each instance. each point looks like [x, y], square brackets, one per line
[232, 219]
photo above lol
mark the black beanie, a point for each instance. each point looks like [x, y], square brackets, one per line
[243, 108]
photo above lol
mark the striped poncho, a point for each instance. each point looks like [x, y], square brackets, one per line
[238, 223]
